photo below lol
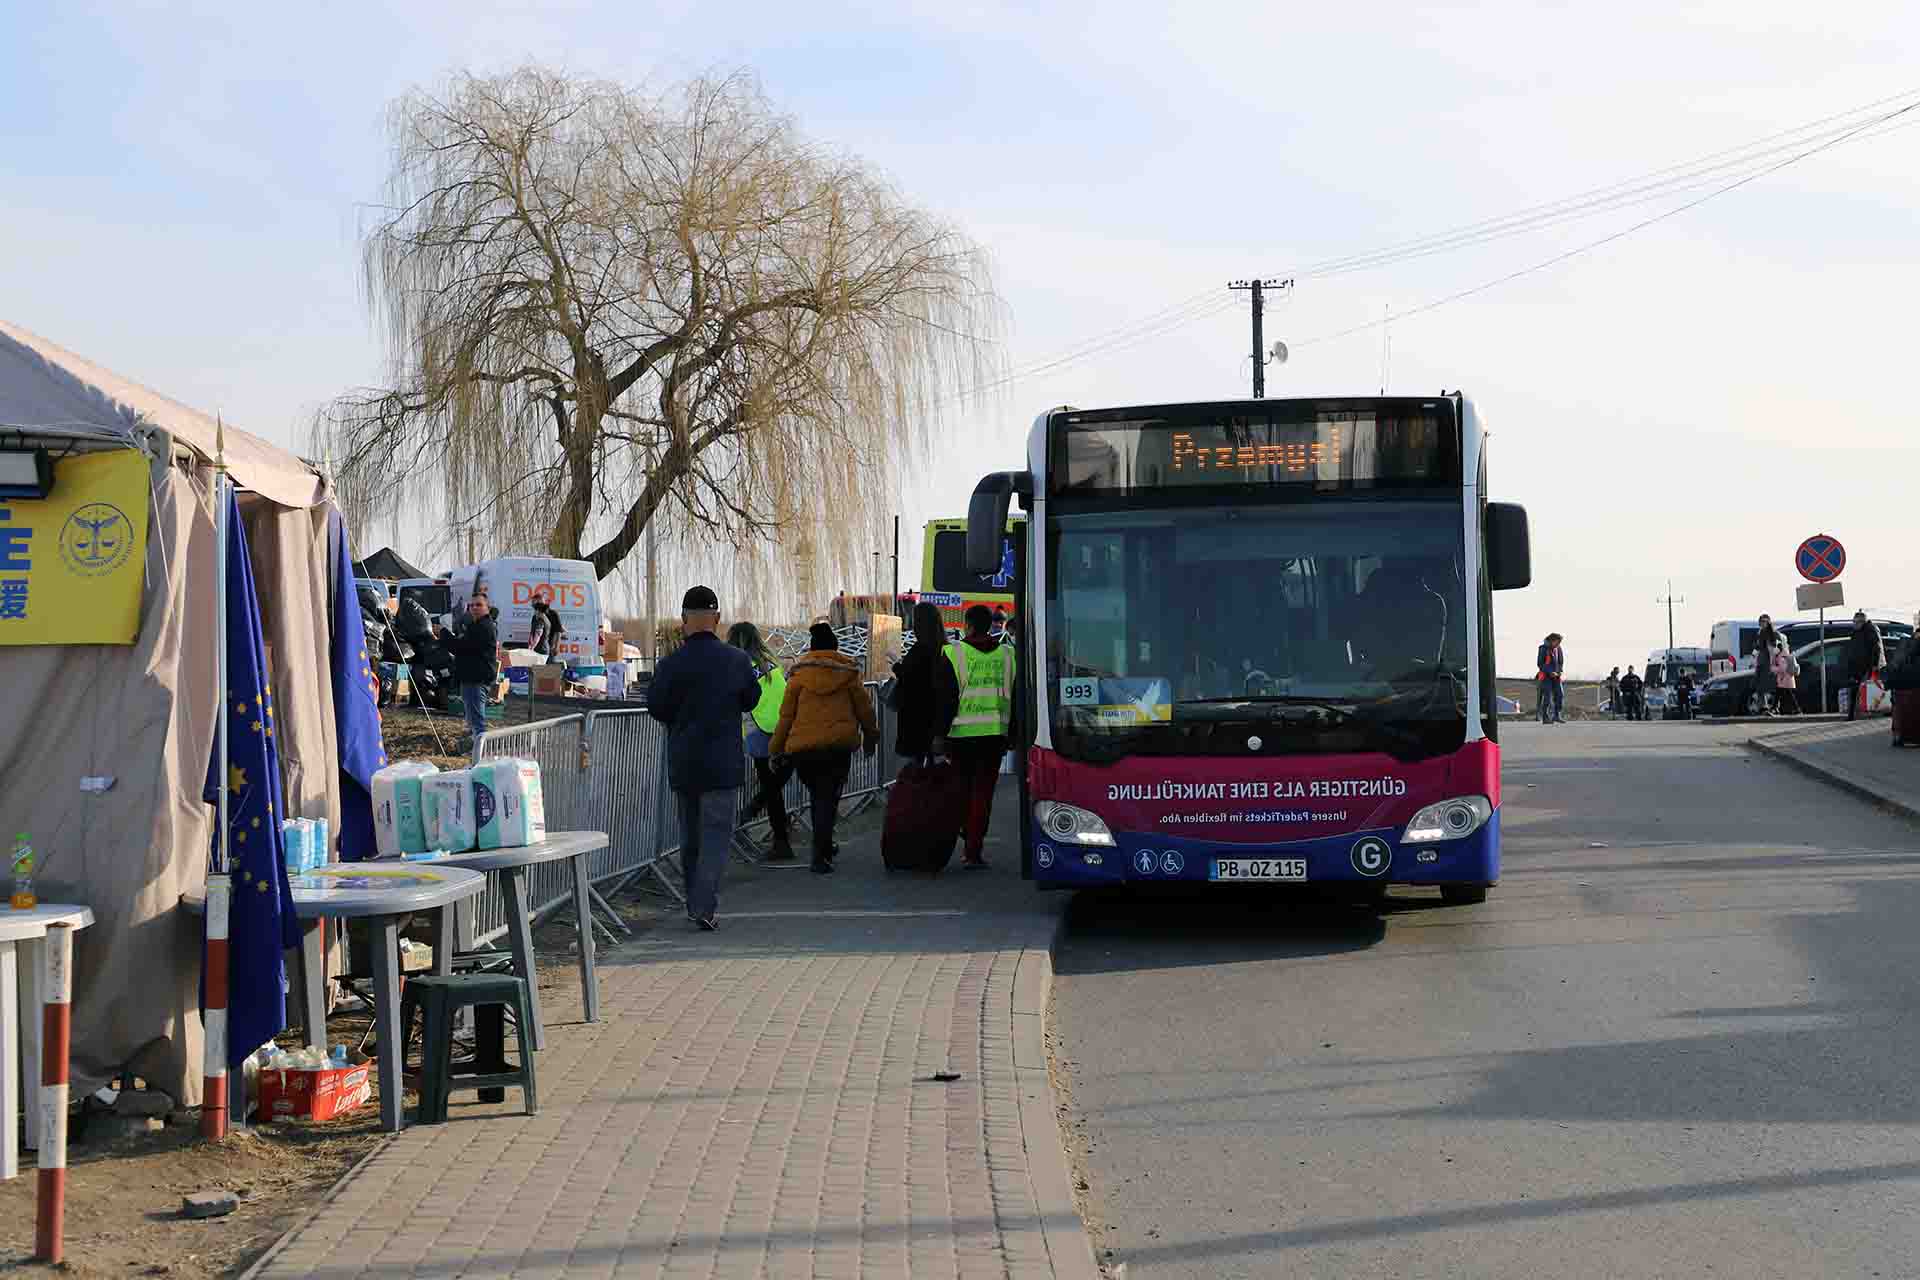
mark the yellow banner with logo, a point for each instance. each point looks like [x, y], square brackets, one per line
[72, 563]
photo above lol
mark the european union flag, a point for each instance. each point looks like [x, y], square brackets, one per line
[262, 924]
[356, 705]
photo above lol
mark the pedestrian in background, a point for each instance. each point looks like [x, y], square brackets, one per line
[1764, 683]
[1786, 680]
[761, 723]
[1613, 692]
[926, 690]
[476, 664]
[699, 692]
[824, 715]
[1552, 664]
[1683, 693]
[983, 667]
[1866, 654]
[1633, 692]
[546, 631]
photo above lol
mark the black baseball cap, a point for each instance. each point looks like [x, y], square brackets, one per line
[700, 600]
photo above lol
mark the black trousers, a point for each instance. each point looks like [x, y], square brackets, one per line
[824, 774]
[773, 789]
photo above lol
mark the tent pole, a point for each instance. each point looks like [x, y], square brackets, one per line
[213, 1100]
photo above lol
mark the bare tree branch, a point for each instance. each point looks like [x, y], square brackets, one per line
[606, 308]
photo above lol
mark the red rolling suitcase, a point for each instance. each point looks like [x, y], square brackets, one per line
[926, 808]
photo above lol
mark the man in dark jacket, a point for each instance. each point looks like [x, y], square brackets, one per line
[700, 692]
[476, 664]
[1633, 695]
[1866, 654]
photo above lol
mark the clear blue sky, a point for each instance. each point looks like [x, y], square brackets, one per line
[183, 184]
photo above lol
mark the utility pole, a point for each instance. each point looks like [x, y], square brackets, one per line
[1670, 600]
[1258, 290]
[895, 601]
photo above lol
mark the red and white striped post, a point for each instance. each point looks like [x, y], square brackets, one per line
[213, 1093]
[213, 1096]
[50, 1216]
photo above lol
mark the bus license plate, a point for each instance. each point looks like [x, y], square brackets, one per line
[1259, 869]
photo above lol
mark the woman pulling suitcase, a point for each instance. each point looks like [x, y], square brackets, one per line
[927, 804]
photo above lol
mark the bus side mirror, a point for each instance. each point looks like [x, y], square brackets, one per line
[1509, 550]
[987, 518]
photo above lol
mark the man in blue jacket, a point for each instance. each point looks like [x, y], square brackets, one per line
[699, 692]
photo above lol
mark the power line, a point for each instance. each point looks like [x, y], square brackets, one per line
[1653, 185]
[1656, 184]
[1622, 234]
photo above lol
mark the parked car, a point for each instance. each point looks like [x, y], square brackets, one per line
[1733, 695]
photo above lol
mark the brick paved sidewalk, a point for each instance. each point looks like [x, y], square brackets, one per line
[1858, 757]
[758, 1102]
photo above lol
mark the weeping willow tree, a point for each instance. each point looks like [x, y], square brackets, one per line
[605, 308]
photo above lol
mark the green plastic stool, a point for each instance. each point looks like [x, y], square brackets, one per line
[489, 995]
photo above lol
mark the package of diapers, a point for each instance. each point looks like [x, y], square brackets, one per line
[447, 799]
[399, 810]
[507, 803]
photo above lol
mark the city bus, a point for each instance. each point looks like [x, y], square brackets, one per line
[1263, 640]
[947, 583]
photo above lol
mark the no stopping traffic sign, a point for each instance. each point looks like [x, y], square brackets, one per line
[1820, 558]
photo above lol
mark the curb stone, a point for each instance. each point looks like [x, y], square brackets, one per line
[1835, 778]
[1068, 1247]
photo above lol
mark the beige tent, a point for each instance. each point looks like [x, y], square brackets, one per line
[143, 714]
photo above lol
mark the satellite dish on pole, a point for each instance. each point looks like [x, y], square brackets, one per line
[1279, 353]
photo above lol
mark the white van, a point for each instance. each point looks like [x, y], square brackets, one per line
[1731, 646]
[513, 583]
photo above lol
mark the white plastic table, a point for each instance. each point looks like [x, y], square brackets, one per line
[384, 893]
[512, 865]
[22, 934]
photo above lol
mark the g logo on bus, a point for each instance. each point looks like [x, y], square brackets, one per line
[1372, 856]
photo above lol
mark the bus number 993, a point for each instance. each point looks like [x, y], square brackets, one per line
[1079, 693]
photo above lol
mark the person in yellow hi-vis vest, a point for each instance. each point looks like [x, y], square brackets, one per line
[983, 663]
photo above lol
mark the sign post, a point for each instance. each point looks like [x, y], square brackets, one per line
[1820, 560]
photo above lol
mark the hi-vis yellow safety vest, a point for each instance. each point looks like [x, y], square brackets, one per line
[986, 691]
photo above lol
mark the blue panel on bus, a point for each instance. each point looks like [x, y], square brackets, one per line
[1351, 858]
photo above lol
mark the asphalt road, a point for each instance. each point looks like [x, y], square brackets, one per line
[1679, 1040]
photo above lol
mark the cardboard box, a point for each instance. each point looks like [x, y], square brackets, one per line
[612, 646]
[549, 679]
[314, 1095]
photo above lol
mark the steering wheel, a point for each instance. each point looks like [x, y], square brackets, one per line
[1253, 675]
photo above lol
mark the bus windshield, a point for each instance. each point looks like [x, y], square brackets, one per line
[1272, 628]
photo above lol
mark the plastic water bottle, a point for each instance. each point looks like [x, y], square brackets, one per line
[339, 1057]
[321, 849]
[23, 899]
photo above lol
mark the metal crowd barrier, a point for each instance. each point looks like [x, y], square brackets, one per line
[606, 771]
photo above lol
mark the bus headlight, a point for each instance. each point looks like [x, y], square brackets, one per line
[1071, 824]
[1448, 820]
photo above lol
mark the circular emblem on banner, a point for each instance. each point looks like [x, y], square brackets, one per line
[1043, 855]
[1372, 856]
[1144, 862]
[1172, 862]
[96, 540]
